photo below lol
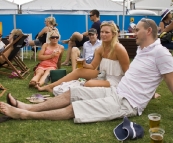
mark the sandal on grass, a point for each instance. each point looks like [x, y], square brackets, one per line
[9, 101]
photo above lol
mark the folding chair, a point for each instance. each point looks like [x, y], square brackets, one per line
[13, 61]
[2, 90]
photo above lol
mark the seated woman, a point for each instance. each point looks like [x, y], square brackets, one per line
[111, 56]
[51, 24]
[166, 18]
[50, 56]
[14, 32]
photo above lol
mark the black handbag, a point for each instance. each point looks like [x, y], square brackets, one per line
[166, 37]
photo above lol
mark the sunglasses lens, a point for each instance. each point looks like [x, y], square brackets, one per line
[54, 37]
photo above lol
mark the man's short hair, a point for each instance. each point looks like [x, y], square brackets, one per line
[95, 12]
[92, 31]
[150, 23]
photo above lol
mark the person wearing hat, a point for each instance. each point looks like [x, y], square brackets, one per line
[88, 48]
[78, 39]
[166, 18]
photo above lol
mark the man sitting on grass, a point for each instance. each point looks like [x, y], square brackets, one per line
[88, 49]
[152, 63]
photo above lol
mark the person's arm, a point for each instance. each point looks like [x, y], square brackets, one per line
[169, 27]
[44, 30]
[122, 56]
[169, 80]
[60, 57]
[161, 25]
[96, 61]
[41, 55]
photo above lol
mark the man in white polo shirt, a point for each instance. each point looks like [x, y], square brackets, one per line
[152, 63]
[88, 49]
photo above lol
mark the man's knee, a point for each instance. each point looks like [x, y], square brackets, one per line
[75, 50]
[69, 111]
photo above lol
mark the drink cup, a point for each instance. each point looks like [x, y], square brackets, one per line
[80, 62]
[156, 135]
[154, 120]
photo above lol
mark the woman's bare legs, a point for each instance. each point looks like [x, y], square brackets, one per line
[44, 76]
[74, 75]
[97, 83]
[39, 73]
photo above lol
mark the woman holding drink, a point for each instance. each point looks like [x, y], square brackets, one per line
[111, 56]
[50, 57]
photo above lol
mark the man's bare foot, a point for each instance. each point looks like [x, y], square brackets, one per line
[156, 95]
[44, 88]
[11, 111]
[17, 103]
[65, 41]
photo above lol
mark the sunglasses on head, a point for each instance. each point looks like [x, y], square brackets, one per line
[54, 37]
[145, 20]
[109, 22]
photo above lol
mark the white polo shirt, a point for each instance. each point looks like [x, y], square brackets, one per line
[144, 75]
[88, 48]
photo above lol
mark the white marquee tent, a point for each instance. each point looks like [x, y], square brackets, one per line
[7, 7]
[155, 5]
[71, 6]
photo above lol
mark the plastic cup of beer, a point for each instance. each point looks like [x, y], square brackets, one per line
[80, 62]
[156, 135]
[154, 120]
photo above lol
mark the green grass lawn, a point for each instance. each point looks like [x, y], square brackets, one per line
[44, 131]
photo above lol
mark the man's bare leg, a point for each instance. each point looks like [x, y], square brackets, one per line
[57, 102]
[17, 113]
[74, 55]
[74, 75]
[68, 54]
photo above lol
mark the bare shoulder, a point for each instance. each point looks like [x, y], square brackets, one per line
[119, 47]
[61, 47]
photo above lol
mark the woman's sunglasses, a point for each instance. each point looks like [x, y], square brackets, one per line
[54, 37]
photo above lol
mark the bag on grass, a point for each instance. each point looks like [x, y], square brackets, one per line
[57, 74]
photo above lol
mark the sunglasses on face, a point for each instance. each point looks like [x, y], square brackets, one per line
[91, 15]
[54, 37]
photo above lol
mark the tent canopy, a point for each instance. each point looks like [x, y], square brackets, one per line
[71, 6]
[153, 4]
[7, 7]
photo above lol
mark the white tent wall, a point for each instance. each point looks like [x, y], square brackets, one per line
[154, 5]
[71, 7]
[7, 7]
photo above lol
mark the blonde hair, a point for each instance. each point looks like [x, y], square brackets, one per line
[17, 32]
[52, 32]
[52, 21]
[114, 31]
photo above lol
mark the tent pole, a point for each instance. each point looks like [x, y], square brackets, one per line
[14, 21]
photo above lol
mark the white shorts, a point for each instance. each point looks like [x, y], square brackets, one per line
[92, 104]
